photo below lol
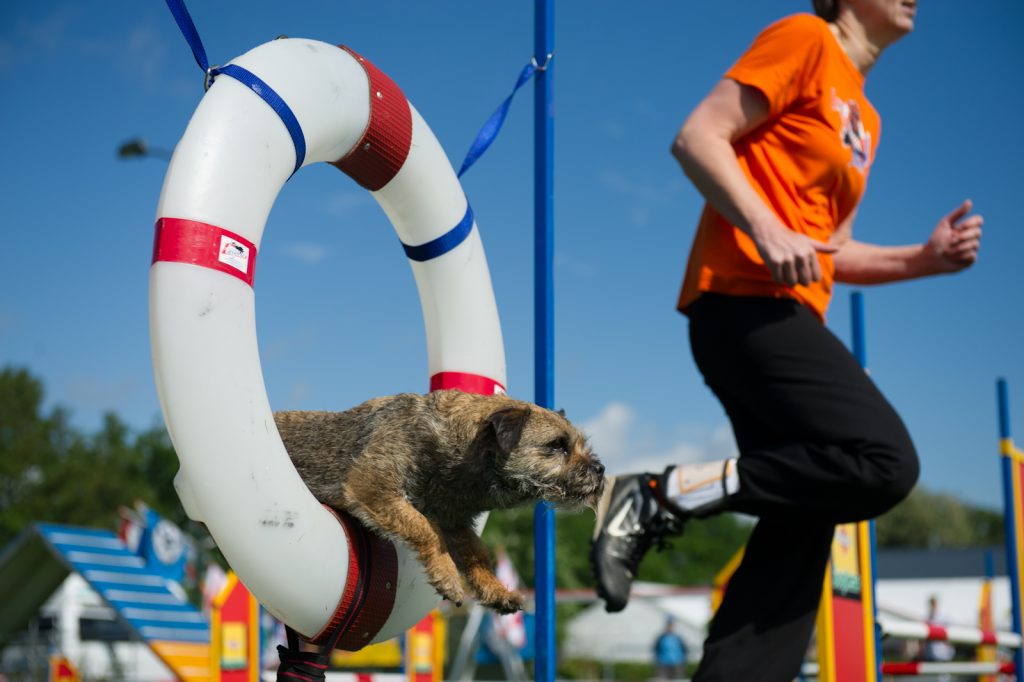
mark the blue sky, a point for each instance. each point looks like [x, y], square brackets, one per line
[337, 311]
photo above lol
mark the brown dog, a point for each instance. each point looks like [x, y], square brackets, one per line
[420, 469]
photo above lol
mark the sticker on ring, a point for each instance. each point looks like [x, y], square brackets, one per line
[233, 253]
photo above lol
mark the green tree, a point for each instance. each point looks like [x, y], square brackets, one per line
[704, 548]
[96, 476]
[30, 447]
[159, 467]
[51, 472]
[932, 520]
[692, 559]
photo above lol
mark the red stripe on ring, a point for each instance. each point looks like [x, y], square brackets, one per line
[189, 241]
[463, 381]
[384, 145]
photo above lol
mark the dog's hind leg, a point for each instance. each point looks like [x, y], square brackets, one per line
[472, 557]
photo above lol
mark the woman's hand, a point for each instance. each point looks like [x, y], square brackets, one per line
[791, 257]
[954, 243]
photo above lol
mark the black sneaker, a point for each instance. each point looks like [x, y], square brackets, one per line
[629, 518]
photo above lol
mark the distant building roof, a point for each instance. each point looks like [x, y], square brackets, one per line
[897, 564]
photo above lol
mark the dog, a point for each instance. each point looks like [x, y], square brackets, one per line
[420, 469]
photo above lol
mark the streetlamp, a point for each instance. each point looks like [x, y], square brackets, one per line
[137, 148]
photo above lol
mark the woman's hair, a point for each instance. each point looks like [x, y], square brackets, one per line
[826, 9]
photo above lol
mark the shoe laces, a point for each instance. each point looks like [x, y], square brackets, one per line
[662, 526]
[654, 530]
[663, 522]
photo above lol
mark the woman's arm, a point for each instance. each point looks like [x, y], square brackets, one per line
[952, 246]
[703, 148]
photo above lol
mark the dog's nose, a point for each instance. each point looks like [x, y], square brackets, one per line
[598, 468]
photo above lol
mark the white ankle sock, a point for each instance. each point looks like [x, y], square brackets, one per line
[694, 486]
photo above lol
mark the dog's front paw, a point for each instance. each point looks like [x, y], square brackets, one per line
[453, 594]
[503, 601]
[444, 578]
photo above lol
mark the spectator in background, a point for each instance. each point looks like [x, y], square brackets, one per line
[669, 654]
[935, 650]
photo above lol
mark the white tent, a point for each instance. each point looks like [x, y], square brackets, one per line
[628, 636]
[958, 599]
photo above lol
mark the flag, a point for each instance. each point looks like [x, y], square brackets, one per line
[214, 581]
[511, 627]
[131, 526]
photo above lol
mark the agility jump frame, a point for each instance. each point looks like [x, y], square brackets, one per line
[849, 628]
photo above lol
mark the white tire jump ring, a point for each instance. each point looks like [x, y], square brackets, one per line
[226, 172]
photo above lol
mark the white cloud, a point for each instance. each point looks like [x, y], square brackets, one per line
[144, 52]
[47, 33]
[140, 53]
[101, 393]
[627, 444]
[6, 55]
[29, 38]
[344, 204]
[299, 392]
[614, 129]
[295, 343]
[306, 252]
[569, 264]
[640, 216]
[609, 431]
[645, 109]
[647, 192]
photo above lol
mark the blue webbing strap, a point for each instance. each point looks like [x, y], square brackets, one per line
[188, 29]
[443, 244]
[492, 125]
[255, 84]
[242, 75]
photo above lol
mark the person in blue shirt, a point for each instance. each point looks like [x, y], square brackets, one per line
[669, 654]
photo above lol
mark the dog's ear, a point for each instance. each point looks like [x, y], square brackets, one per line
[561, 412]
[508, 423]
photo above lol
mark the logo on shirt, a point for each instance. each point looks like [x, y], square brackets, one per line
[852, 133]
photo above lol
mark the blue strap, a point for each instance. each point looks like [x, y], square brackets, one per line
[242, 75]
[443, 244]
[492, 126]
[188, 29]
[254, 83]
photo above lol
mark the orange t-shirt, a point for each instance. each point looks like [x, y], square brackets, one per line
[809, 161]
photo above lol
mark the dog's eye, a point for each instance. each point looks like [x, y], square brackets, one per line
[560, 446]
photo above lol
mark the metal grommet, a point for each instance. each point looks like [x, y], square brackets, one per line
[544, 66]
[210, 74]
[366, 147]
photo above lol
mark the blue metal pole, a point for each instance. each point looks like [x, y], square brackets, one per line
[1003, 396]
[1010, 512]
[857, 328]
[543, 302]
[860, 351]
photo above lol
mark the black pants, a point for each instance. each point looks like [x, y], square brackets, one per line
[819, 445]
